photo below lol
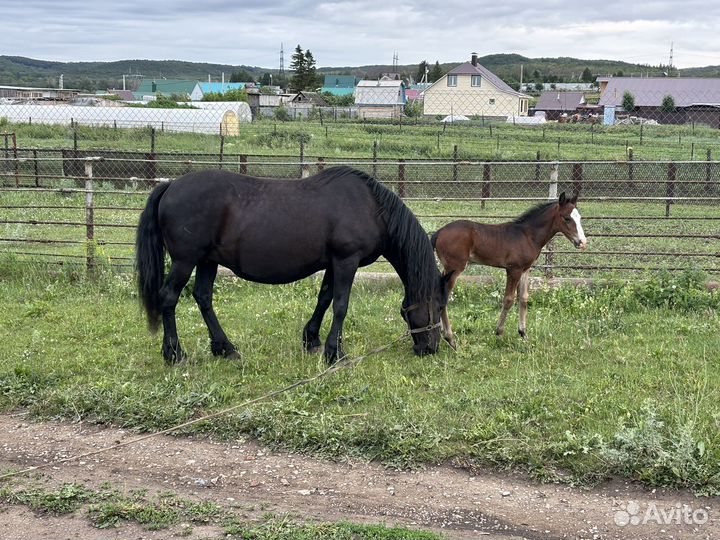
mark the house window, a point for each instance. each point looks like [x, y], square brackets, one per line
[475, 80]
[452, 80]
[492, 101]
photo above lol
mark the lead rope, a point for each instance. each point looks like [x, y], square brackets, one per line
[343, 363]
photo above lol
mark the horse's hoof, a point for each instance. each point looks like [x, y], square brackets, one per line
[315, 349]
[499, 331]
[451, 341]
[232, 355]
[523, 334]
[173, 355]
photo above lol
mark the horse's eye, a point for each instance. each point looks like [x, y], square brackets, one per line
[567, 219]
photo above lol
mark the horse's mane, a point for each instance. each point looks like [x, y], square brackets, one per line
[534, 212]
[405, 232]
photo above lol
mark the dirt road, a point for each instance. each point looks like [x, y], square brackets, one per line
[451, 500]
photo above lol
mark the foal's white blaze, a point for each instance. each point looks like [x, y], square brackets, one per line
[575, 215]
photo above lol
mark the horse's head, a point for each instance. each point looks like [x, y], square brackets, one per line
[569, 221]
[423, 318]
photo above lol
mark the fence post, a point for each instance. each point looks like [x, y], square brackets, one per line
[222, 151]
[243, 164]
[671, 177]
[708, 173]
[151, 169]
[487, 178]
[374, 158]
[455, 163]
[37, 169]
[631, 168]
[401, 178]
[302, 155]
[90, 217]
[321, 164]
[577, 178]
[552, 196]
[537, 167]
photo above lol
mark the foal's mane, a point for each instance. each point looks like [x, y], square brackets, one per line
[406, 235]
[533, 213]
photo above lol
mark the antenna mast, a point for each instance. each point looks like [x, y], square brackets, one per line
[281, 71]
[671, 58]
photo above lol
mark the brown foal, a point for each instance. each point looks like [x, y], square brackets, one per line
[514, 246]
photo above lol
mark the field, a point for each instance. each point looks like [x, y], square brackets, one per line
[613, 381]
[413, 139]
[619, 379]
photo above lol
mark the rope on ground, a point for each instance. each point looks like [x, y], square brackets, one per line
[344, 363]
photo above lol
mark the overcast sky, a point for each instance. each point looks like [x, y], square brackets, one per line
[353, 33]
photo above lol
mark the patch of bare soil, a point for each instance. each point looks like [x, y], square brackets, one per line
[247, 477]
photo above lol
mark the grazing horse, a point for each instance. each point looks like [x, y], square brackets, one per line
[514, 246]
[279, 231]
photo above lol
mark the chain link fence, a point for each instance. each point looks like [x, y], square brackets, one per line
[76, 209]
[75, 178]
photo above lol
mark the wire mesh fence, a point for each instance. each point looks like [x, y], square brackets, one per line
[70, 207]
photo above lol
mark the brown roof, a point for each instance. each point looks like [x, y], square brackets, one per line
[650, 91]
[560, 101]
[469, 69]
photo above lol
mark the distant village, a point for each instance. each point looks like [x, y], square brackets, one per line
[469, 91]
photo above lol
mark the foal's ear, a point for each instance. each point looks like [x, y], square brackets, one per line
[574, 199]
[562, 199]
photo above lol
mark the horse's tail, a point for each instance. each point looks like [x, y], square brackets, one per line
[433, 238]
[150, 258]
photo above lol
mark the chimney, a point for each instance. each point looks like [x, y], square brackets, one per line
[473, 58]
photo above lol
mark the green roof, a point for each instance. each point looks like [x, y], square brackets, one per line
[166, 86]
[340, 81]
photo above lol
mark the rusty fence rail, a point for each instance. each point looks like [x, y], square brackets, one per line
[639, 216]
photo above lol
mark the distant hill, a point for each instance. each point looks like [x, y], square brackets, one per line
[17, 70]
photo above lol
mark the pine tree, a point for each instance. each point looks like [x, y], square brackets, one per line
[310, 72]
[436, 72]
[299, 68]
[421, 71]
[587, 75]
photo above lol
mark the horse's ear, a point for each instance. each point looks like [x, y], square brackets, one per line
[562, 199]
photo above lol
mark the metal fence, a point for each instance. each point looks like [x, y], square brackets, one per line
[67, 206]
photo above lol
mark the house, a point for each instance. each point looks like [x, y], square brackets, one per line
[339, 85]
[555, 104]
[203, 88]
[380, 99]
[150, 88]
[472, 90]
[32, 93]
[694, 99]
[301, 104]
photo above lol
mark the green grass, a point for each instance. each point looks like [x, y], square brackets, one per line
[620, 379]
[413, 139]
[110, 507]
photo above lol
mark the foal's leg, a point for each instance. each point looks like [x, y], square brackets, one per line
[513, 277]
[447, 327]
[523, 296]
[343, 275]
[311, 332]
[169, 294]
[203, 294]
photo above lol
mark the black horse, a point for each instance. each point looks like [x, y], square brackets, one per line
[278, 231]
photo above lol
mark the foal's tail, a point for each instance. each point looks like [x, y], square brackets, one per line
[150, 258]
[433, 238]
